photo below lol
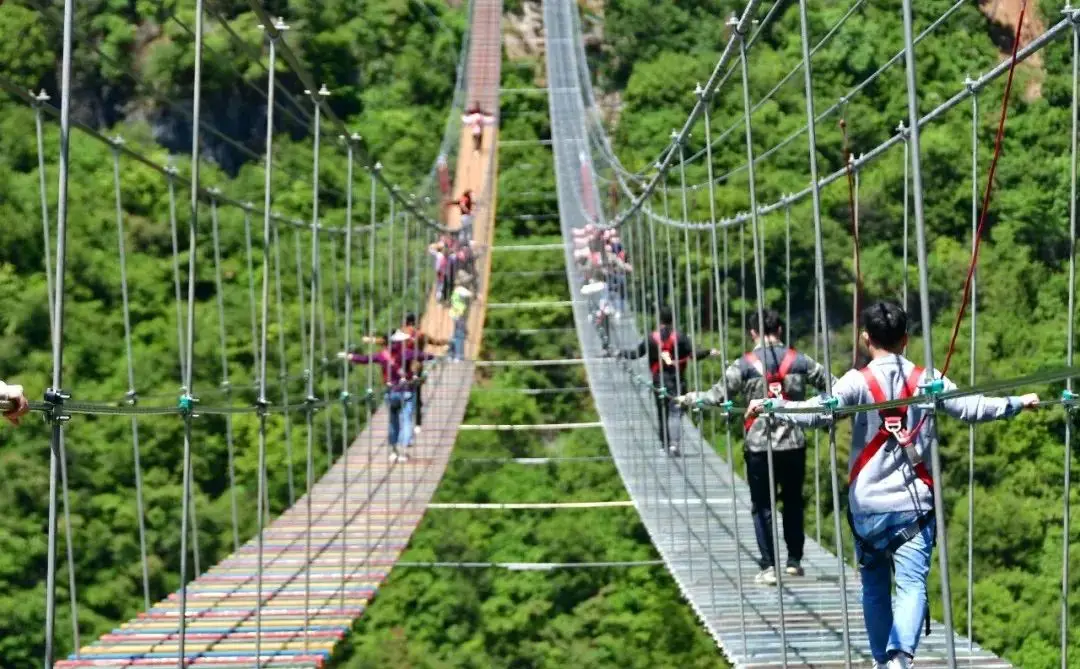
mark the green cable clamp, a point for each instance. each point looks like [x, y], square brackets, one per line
[769, 404]
[934, 387]
[345, 397]
[187, 404]
[1068, 398]
[830, 402]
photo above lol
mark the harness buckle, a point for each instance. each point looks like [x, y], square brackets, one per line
[894, 425]
[776, 389]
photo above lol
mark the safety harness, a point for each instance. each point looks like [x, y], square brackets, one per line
[667, 351]
[774, 381]
[892, 428]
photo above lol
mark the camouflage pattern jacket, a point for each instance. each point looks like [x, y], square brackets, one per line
[744, 378]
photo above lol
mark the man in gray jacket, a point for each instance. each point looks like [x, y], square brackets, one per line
[771, 370]
[890, 493]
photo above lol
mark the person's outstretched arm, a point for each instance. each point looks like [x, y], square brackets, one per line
[981, 408]
[635, 353]
[729, 386]
[847, 392]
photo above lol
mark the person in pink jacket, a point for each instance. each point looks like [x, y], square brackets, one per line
[401, 385]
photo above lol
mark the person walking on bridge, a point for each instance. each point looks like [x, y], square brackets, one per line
[771, 369]
[890, 493]
[417, 341]
[668, 353]
[400, 388]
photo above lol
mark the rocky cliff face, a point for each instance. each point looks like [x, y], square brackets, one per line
[1003, 16]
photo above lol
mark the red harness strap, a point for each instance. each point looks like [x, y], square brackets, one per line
[668, 346]
[774, 382]
[892, 424]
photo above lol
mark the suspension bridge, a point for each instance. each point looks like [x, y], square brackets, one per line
[290, 594]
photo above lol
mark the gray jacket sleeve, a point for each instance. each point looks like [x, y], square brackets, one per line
[979, 408]
[847, 390]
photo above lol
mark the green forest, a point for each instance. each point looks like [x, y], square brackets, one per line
[389, 65]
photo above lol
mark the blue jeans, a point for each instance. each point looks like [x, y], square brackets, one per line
[401, 403]
[893, 624]
[457, 342]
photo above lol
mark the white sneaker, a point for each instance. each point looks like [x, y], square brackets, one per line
[393, 456]
[768, 577]
[674, 450]
[901, 661]
[418, 429]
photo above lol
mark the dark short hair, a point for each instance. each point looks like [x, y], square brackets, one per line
[665, 316]
[410, 319]
[885, 322]
[773, 322]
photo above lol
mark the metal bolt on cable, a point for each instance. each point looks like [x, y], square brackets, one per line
[55, 399]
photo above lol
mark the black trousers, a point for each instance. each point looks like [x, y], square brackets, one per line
[789, 469]
[419, 404]
[669, 423]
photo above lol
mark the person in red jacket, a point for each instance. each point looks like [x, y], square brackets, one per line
[466, 204]
[668, 353]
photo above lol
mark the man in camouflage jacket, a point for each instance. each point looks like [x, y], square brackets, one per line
[771, 363]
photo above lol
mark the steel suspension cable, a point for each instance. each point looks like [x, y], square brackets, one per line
[55, 395]
[692, 353]
[902, 129]
[225, 382]
[272, 39]
[817, 433]
[853, 213]
[1066, 506]
[311, 399]
[283, 372]
[372, 298]
[187, 400]
[819, 270]
[43, 196]
[722, 305]
[924, 298]
[317, 307]
[346, 334]
[691, 311]
[173, 229]
[759, 289]
[971, 370]
[130, 359]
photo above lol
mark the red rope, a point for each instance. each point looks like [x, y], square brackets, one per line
[986, 196]
[857, 297]
[985, 207]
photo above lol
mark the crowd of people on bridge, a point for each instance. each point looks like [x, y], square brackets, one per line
[602, 261]
[890, 489]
